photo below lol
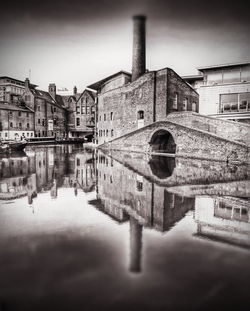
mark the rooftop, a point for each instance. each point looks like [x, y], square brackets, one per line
[224, 65]
[98, 84]
[20, 81]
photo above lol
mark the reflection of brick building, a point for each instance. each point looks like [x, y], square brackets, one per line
[17, 176]
[150, 204]
[126, 103]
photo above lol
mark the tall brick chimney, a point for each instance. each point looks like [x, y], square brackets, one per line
[139, 47]
[52, 90]
[75, 90]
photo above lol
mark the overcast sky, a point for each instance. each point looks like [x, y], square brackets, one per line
[78, 42]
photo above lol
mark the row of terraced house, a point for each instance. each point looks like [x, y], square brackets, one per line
[28, 112]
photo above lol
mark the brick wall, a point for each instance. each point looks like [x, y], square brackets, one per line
[223, 128]
[152, 93]
[189, 143]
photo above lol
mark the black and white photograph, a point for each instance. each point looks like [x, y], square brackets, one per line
[124, 155]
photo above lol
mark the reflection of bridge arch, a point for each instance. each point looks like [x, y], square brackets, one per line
[162, 167]
[162, 141]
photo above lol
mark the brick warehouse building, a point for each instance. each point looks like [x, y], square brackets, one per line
[127, 102]
[49, 111]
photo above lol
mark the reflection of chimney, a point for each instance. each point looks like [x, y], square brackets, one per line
[75, 90]
[139, 47]
[52, 90]
[135, 245]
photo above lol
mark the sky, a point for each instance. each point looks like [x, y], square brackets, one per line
[79, 42]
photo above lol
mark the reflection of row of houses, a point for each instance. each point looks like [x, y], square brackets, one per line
[45, 169]
[125, 194]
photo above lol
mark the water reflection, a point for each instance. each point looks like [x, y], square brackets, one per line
[139, 194]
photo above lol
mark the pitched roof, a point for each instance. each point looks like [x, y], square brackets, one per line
[97, 85]
[58, 101]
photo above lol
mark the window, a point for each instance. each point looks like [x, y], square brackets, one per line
[185, 102]
[77, 121]
[107, 133]
[88, 110]
[175, 101]
[38, 108]
[104, 117]
[140, 115]
[20, 125]
[112, 133]
[78, 162]
[100, 119]
[19, 113]
[38, 121]
[10, 114]
[77, 109]
[83, 109]
[139, 185]
[193, 106]
[54, 109]
[28, 125]
[27, 115]
[111, 115]
[43, 122]
[11, 124]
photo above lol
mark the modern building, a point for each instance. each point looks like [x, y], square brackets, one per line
[49, 111]
[12, 89]
[127, 102]
[224, 91]
[81, 114]
[16, 121]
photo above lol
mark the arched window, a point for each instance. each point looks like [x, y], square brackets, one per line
[140, 115]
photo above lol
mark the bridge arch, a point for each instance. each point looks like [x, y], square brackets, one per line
[162, 141]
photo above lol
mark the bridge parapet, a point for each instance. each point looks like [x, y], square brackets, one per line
[231, 130]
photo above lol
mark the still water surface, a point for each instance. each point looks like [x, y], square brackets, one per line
[81, 230]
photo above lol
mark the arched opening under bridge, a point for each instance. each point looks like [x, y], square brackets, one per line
[162, 142]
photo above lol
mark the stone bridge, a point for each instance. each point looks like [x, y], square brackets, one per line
[188, 135]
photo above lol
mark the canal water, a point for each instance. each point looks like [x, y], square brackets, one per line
[84, 230]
